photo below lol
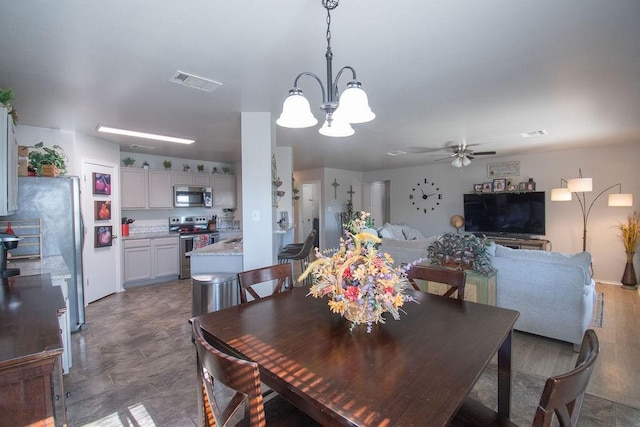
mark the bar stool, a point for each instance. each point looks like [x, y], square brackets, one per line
[298, 253]
[213, 292]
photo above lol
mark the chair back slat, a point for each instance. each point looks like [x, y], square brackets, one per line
[454, 278]
[242, 376]
[563, 394]
[280, 272]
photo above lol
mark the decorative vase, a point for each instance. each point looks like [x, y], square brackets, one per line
[50, 170]
[358, 315]
[629, 280]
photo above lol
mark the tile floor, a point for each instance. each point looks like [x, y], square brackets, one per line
[135, 366]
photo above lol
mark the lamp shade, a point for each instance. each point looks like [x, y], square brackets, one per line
[580, 185]
[336, 128]
[560, 194]
[354, 105]
[296, 112]
[456, 163]
[620, 200]
[465, 161]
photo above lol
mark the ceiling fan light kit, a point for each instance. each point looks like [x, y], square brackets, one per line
[340, 110]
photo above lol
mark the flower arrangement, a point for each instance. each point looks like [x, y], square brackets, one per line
[630, 232]
[461, 251]
[362, 284]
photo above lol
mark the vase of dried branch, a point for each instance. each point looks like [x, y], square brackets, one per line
[629, 280]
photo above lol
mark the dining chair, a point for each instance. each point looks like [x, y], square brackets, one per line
[454, 278]
[298, 253]
[280, 272]
[242, 378]
[561, 398]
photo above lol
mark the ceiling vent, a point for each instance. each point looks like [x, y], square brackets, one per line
[533, 134]
[142, 147]
[195, 82]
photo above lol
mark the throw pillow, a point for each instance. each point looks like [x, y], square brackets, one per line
[412, 233]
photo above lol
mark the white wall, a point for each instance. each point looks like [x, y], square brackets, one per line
[606, 165]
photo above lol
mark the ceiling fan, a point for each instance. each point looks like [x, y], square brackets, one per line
[462, 155]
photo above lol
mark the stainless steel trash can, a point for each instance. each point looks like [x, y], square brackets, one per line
[213, 292]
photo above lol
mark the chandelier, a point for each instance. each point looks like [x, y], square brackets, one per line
[340, 110]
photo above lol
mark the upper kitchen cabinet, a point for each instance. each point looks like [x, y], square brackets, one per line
[203, 179]
[224, 191]
[8, 165]
[135, 188]
[161, 189]
[182, 178]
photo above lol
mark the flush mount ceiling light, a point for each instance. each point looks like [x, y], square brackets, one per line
[340, 110]
[580, 186]
[117, 131]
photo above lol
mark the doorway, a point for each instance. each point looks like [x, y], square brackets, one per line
[101, 259]
[380, 202]
[310, 214]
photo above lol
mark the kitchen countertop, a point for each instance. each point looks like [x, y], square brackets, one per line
[225, 247]
[54, 265]
[156, 235]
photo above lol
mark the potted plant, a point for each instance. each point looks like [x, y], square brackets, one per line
[186, 168]
[200, 168]
[128, 161]
[461, 251]
[166, 164]
[5, 98]
[214, 170]
[145, 165]
[629, 234]
[48, 161]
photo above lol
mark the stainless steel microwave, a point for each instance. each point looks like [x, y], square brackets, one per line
[192, 197]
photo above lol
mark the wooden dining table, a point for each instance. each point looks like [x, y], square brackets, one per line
[415, 371]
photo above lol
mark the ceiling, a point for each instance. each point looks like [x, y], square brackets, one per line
[437, 72]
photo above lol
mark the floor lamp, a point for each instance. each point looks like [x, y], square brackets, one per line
[581, 186]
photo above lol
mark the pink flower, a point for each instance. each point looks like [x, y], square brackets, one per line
[352, 293]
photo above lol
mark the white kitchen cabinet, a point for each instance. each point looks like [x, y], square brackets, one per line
[202, 178]
[146, 260]
[160, 189]
[182, 178]
[137, 260]
[224, 191]
[166, 257]
[8, 164]
[135, 188]
[64, 323]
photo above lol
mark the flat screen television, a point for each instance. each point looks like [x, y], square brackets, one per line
[505, 214]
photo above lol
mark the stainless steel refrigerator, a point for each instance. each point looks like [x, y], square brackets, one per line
[56, 201]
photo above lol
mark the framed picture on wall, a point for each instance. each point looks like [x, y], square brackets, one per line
[102, 210]
[103, 236]
[102, 183]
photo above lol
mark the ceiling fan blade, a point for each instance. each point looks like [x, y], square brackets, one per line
[484, 153]
[420, 150]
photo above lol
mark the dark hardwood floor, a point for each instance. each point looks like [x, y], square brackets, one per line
[135, 363]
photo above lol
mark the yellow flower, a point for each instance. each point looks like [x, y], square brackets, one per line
[337, 306]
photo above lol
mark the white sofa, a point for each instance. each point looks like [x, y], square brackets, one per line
[553, 292]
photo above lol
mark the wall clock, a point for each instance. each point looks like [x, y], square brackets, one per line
[425, 196]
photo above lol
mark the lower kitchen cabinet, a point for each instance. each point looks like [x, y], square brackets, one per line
[150, 260]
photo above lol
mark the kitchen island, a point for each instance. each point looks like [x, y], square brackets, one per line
[223, 256]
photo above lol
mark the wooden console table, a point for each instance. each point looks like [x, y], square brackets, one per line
[538, 244]
[477, 287]
[29, 310]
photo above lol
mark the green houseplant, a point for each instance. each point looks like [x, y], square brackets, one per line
[200, 168]
[461, 251]
[128, 161]
[50, 160]
[166, 164]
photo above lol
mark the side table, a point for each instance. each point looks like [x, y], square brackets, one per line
[478, 287]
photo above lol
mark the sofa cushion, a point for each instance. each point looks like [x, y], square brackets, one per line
[582, 258]
[395, 231]
[385, 233]
[411, 233]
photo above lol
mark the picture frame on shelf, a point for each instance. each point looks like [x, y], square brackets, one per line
[499, 184]
[512, 187]
[531, 185]
[522, 186]
[487, 187]
[477, 188]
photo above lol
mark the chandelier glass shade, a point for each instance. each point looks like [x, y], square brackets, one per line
[340, 110]
[460, 161]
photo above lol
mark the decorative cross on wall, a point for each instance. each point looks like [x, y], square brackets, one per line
[335, 188]
[351, 193]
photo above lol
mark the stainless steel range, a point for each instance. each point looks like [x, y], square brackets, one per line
[194, 234]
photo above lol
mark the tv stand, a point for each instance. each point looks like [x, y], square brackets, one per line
[521, 243]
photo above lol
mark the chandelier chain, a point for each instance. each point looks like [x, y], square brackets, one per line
[329, 26]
